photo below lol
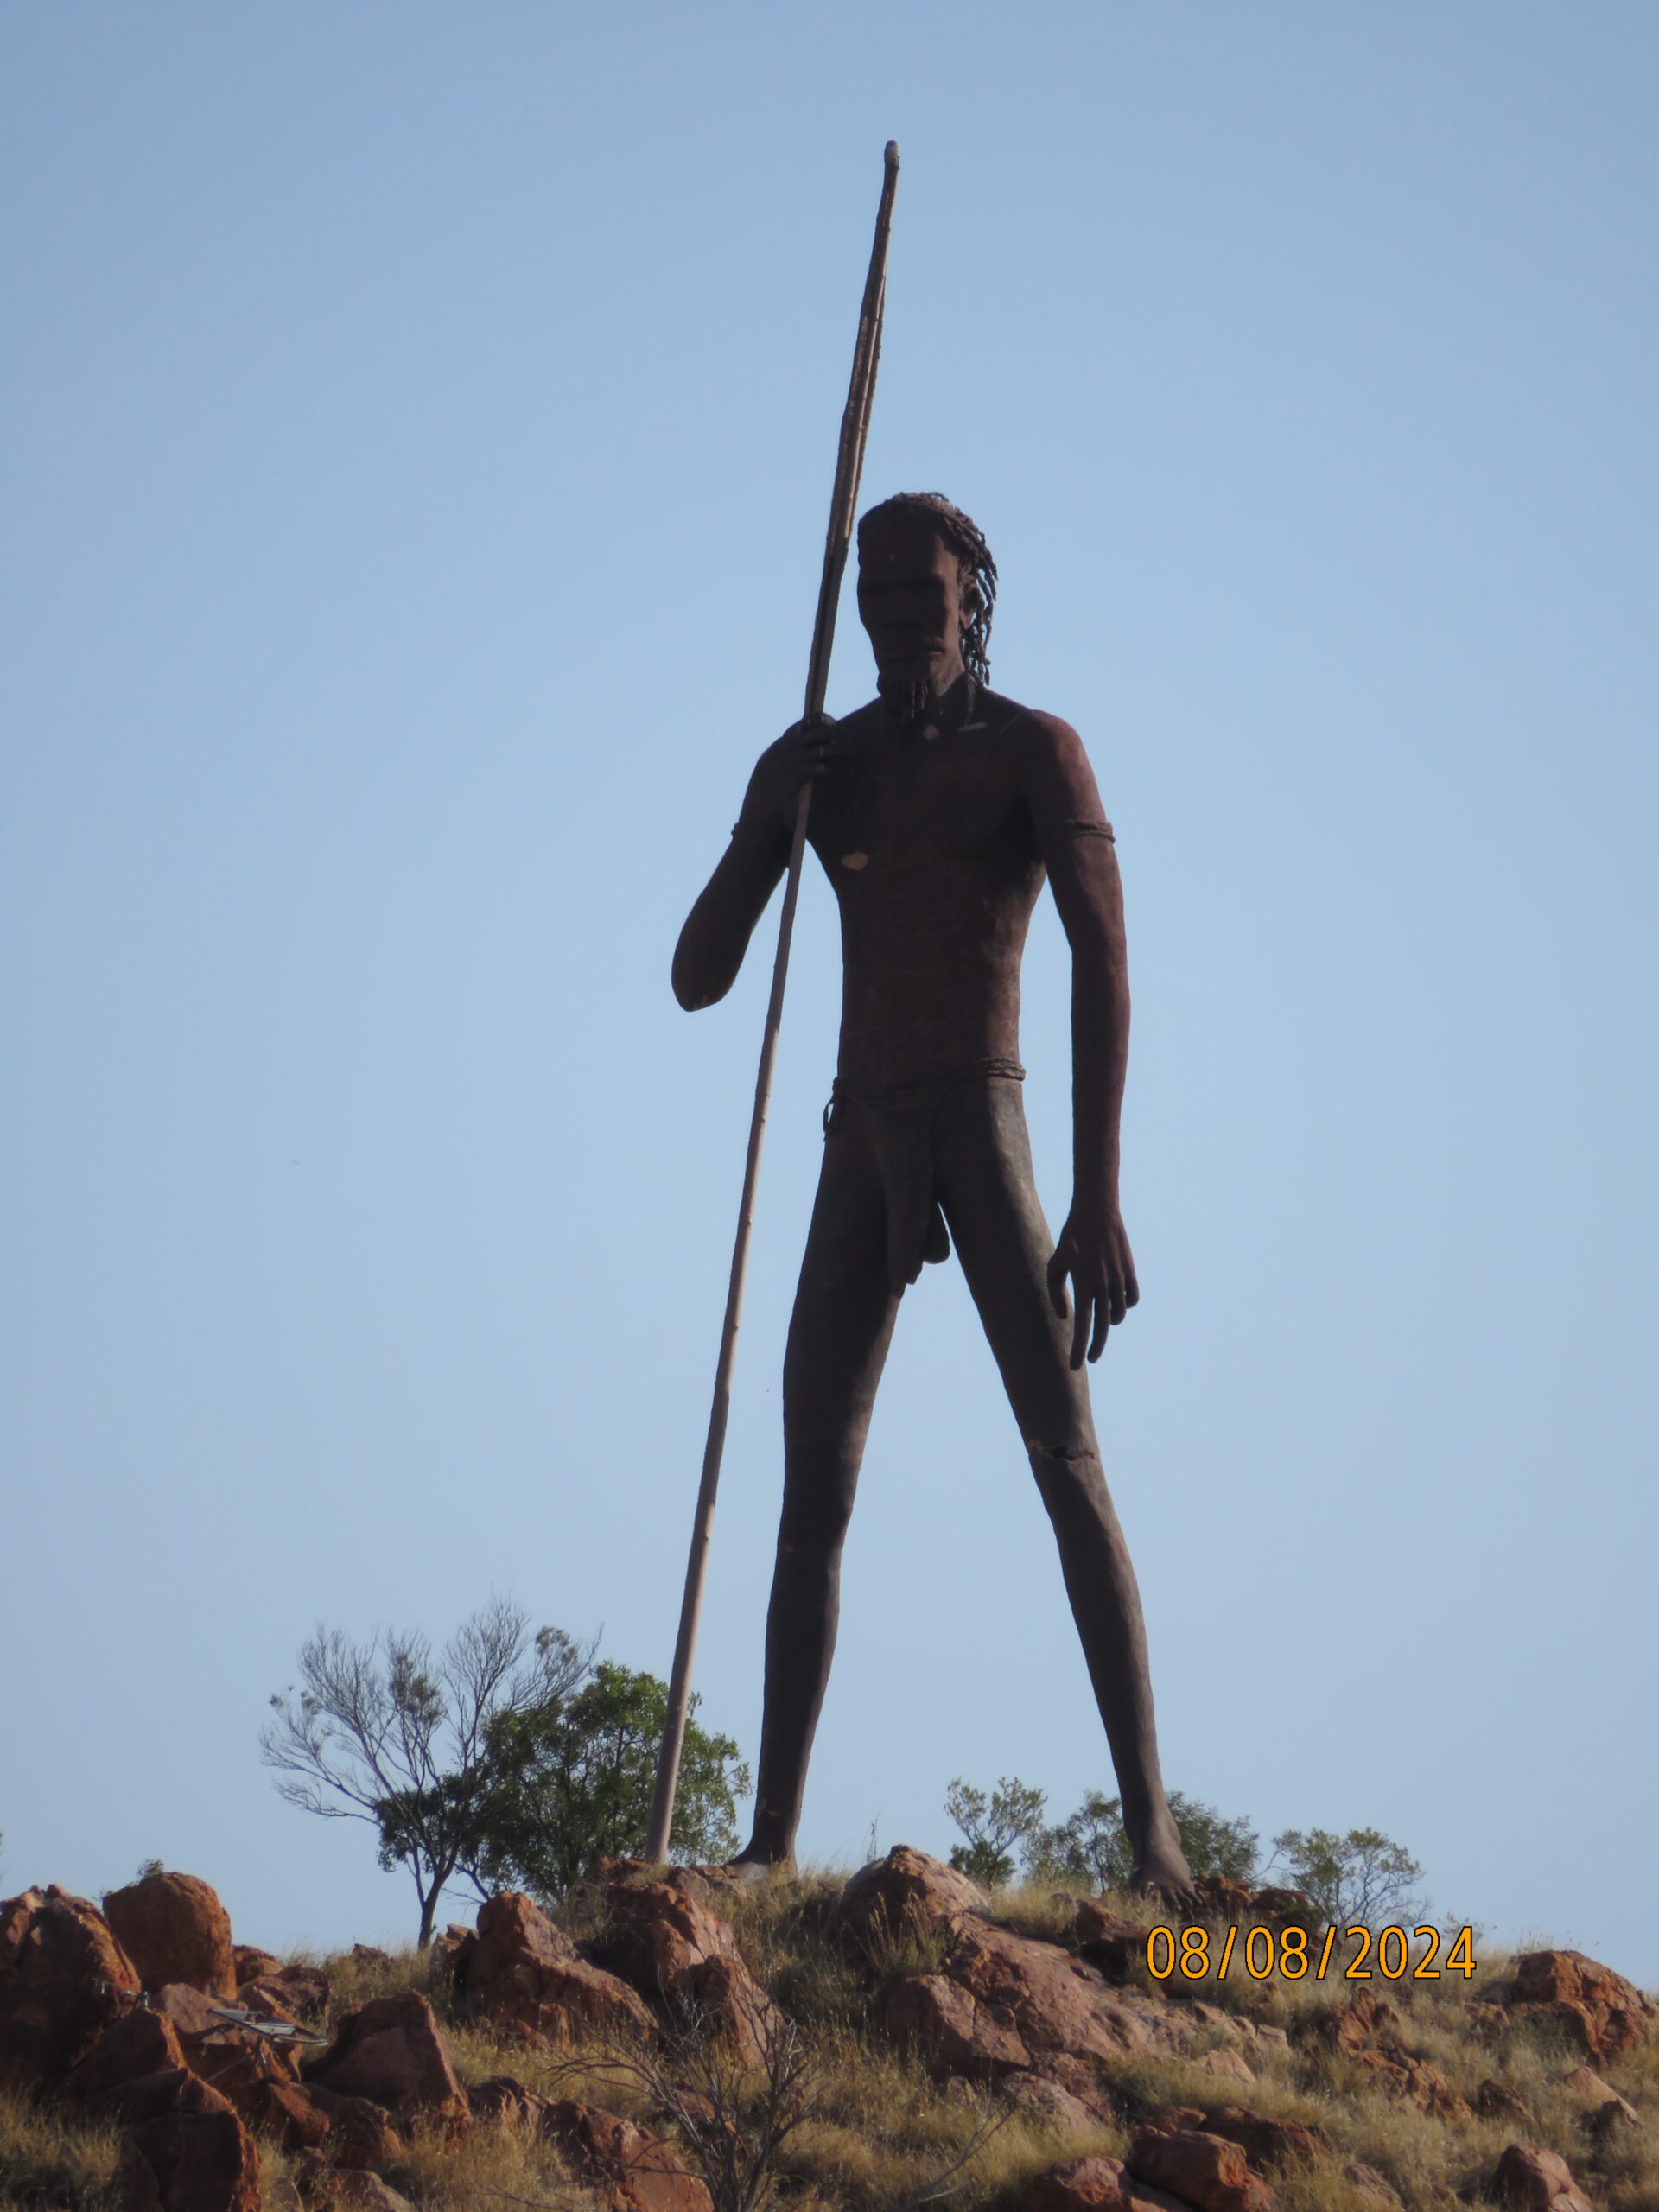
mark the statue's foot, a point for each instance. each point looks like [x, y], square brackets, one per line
[1161, 1872]
[750, 1868]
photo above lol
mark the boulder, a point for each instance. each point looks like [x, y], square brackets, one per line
[627, 2170]
[1228, 2063]
[1198, 2169]
[451, 1953]
[678, 1953]
[188, 2162]
[252, 1964]
[904, 1894]
[524, 1973]
[954, 2036]
[1495, 2100]
[391, 2050]
[237, 2061]
[1599, 2012]
[297, 1993]
[1268, 2143]
[365, 2192]
[509, 2104]
[64, 1979]
[138, 2044]
[290, 2113]
[1604, 2108]
[1052, 2001]
[1096, 2184]
[173, 1928]
[1107, 1940]
[1537, 2181]
[1048, 2103]
[1005, 2002]
[361, 2137]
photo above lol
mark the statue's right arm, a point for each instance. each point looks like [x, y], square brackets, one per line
[718, 928]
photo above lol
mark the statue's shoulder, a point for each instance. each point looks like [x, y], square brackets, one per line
[1023, 725]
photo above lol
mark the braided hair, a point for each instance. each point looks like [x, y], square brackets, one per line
[963, 538]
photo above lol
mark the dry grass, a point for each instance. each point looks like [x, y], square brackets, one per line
[46, 2159]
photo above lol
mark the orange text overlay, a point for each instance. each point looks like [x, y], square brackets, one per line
[1354, 1953]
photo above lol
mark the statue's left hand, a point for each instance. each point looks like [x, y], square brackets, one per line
[1094, 1252]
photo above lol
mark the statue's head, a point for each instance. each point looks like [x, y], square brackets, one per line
[927, 586]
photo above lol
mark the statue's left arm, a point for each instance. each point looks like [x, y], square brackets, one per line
[1075, 842]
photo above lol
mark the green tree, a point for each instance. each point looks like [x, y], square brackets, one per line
[994, 1827]
[385, 1731]
[1357, 1878]
[574, 1781]
[1093, 1849]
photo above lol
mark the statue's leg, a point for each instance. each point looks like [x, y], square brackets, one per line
[989, 1197]
[838, 1340]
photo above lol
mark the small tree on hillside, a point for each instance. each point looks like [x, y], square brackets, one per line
[574, 1784]
[1357, 1878]
[996, 1826]
[382, 1731]
[1093, 1849]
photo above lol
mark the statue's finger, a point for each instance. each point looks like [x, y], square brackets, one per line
[1097, 1342]
[1087, 1302]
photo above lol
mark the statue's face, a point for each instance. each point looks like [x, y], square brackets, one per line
[910, 601]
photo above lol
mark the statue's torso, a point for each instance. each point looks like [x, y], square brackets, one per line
[932, 854]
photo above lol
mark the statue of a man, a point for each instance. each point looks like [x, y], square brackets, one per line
[937, 811]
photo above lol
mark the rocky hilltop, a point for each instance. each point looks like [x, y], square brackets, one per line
[672, 2043]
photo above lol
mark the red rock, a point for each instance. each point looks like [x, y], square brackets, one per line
[138, 2044]
[524, 1971]
[903, 1895]
[627, 2169]
[1597, 2009]
[290, 2114]
[64, 1979]
[1106, 1940]
[237, 2061]
[451, 1953]
[675, 1951]
[391, 2051]
[1054, 2001]
[173, 1928]
[1201, 2170]
[1221, 1898]
[1226, 2063]
[1048, 2102]
[1096, 2184]
[189, 2162]
[1496, 2100]
[366, 2192]
[300, 1992]
[1367, 2030]
[1266, 2143]
[252, 1964]
[1279, 1905]
[509, 2104]
[954, 2036]
[361, 2135]
[1538, 2181]
[1604, 2109]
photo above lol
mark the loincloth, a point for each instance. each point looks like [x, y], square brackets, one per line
[895, 1123]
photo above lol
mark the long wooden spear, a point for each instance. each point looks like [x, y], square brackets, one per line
[849, 466]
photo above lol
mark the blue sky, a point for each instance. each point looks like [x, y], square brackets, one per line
[419, 422]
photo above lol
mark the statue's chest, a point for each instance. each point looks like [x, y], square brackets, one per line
[917, 805]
